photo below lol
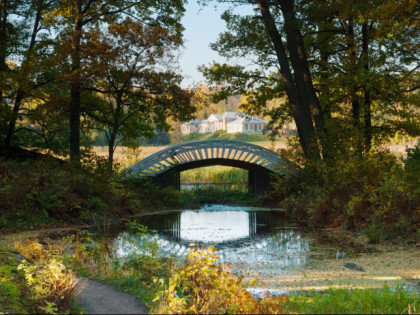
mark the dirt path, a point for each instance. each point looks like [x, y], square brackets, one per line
[96, 297]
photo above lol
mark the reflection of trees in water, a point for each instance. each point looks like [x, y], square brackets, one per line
[168, 224]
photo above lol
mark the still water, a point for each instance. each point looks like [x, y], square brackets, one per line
[253, 240]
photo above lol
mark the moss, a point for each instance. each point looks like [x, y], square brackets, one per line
[15, 297]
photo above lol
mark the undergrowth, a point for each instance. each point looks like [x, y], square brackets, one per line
[204, 286]
[15, 297]
[378, 193]
[52, 285]
[38, 193]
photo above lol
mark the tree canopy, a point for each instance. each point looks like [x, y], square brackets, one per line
[353, 65]
[68, 67]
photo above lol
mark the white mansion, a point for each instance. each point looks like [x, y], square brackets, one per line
[232, 122]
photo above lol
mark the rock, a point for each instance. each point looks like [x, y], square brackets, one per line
[353, 267]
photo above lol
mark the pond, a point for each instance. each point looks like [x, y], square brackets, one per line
[253, 240]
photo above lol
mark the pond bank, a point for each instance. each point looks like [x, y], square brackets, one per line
[316, 266]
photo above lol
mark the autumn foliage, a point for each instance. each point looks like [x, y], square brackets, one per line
[204, 286]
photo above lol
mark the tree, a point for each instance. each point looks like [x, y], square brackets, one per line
[134, 94]
[361, 53]
[365, 54]
[73, 17]
[22, 80]
[303, 102]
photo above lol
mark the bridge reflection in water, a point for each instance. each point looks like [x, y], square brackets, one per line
[207, 227]
[255, 241]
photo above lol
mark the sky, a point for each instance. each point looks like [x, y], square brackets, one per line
[202, 27]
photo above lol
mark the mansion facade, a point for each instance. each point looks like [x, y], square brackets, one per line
[231, 122]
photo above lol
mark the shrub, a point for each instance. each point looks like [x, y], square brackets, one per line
[46, 276]
[205, 287]
[354, 192]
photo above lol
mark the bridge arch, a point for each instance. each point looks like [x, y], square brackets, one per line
[166, 165]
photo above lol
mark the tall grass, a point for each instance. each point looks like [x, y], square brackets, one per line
[215, 175]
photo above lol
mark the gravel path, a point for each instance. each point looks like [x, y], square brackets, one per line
[96, 297]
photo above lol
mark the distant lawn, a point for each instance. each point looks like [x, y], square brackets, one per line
[222, 135]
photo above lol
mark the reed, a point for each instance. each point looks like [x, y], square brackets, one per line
[215, 175]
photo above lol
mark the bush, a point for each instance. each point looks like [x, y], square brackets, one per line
[39, 192]
[355, 192]
[205, 287]
[47, 277]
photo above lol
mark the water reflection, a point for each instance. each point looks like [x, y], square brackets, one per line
[254, 241]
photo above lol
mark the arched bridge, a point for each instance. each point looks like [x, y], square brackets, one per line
[166, 165]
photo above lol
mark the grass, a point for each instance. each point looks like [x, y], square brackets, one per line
[126, 157]
[367, 301]
[222, 135]
[15, 297]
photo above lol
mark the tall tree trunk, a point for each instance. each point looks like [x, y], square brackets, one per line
[300, 65]
[300, 110]
[111, 143]
[367, 98]
[354, 97]
[325, 91]
[113, 132]
[20, 93]
[12, 122]
[3, 34]
[351, 47]
[75, 89]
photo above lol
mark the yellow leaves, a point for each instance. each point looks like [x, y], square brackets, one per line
[48, 278]
[253, 282]
[205, 286]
